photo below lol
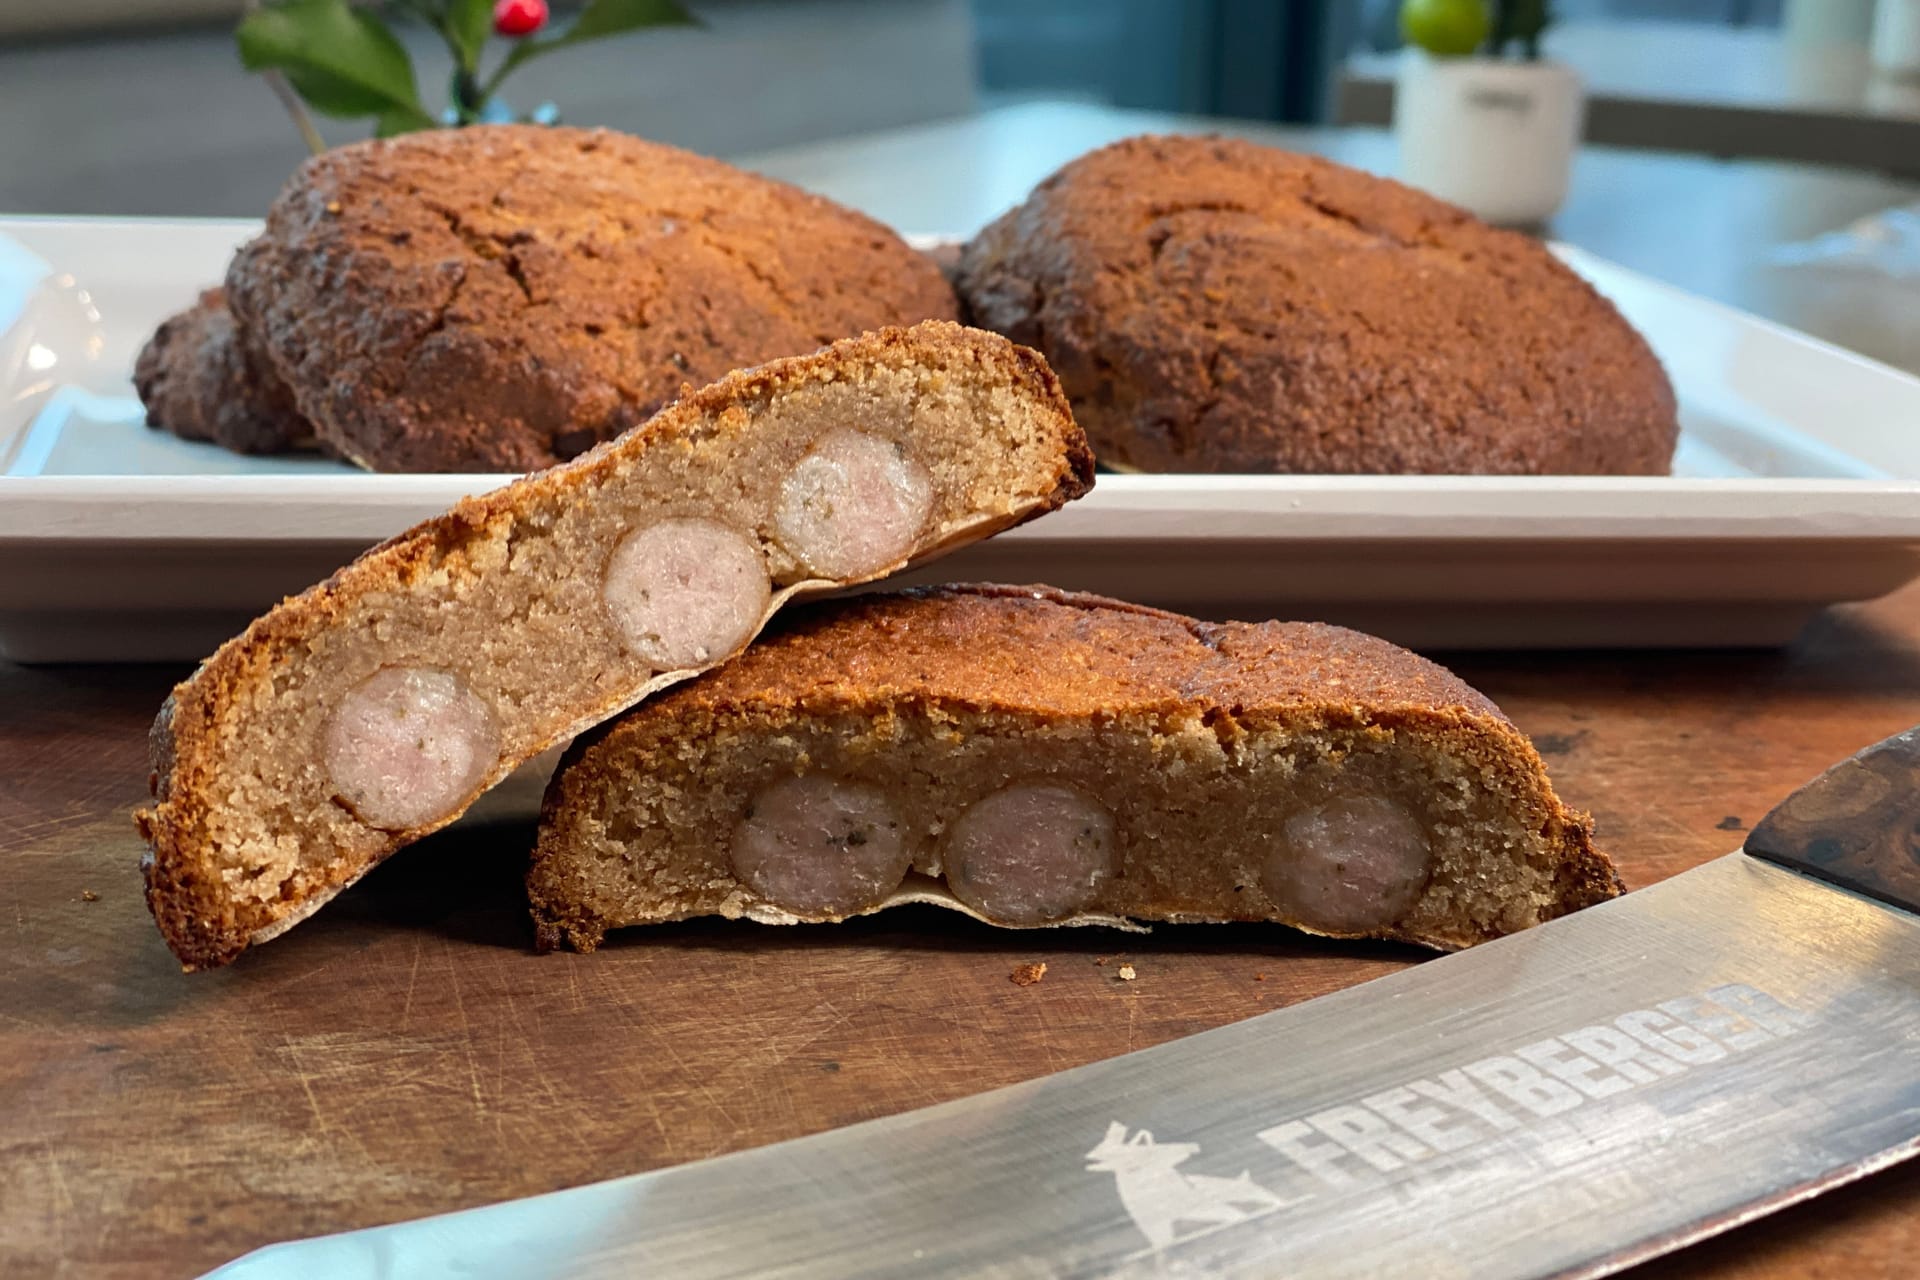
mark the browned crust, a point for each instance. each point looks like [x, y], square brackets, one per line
[1042, 656]
[200, 379]
[201, 921]
[1005, 649]
[1214, 305]
[504, 297]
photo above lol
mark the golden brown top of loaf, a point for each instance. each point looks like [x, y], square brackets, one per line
[506, 296]
[1215, 305]
[1055, 654]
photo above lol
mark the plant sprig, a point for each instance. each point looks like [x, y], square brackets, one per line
[344, 61]
[1521, 22]
[1459, 28]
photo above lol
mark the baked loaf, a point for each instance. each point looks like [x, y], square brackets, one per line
[200, 380]
[376, 707]
[1035, 757]
[504, 297]
[1213, 305]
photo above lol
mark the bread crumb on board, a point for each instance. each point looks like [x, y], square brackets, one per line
[88, 895]
[1025, 975]
[1127, 974]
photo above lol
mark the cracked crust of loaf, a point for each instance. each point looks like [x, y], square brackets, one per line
[200, 380]
[503, 297]
[1215, 305]
[200, 889]
[871, 679]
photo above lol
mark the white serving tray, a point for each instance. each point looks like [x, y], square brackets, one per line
[1797, 486]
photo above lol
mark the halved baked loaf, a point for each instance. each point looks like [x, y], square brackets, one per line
[1035, 757]
[375, 707]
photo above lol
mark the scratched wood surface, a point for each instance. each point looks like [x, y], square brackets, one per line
[404, 1053]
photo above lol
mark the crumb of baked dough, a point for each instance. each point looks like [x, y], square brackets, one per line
[88, 895]
[1127, 974]
[1025, 975]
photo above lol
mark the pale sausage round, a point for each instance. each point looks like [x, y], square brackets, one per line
[408, 746]
[820, 846]
[854, 506]
[1031, 852]
[1356, 863]
[686, 592]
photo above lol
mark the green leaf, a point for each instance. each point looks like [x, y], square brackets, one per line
[332, 96]
[389, 123]
[342, 60]
[468, 24]
[599, 19]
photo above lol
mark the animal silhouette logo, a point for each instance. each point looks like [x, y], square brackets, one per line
[1159, 1198]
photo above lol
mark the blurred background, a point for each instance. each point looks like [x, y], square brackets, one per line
[138, 106]
[1747, 150]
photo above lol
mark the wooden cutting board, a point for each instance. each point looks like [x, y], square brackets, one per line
[405, 1053]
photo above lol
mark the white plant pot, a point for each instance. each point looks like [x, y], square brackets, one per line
[1495, 137]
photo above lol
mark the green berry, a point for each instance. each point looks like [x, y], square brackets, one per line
[1448, 28]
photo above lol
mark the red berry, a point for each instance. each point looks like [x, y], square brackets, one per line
[519, 17]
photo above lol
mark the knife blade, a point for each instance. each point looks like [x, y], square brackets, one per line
[1564, 1102]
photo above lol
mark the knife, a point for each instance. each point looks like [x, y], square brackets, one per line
[1566, 1102]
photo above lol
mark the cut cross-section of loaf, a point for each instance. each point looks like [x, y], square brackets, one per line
[1035, 757]
[377, 706]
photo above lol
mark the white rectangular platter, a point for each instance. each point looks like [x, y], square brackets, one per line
[1797, 486]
